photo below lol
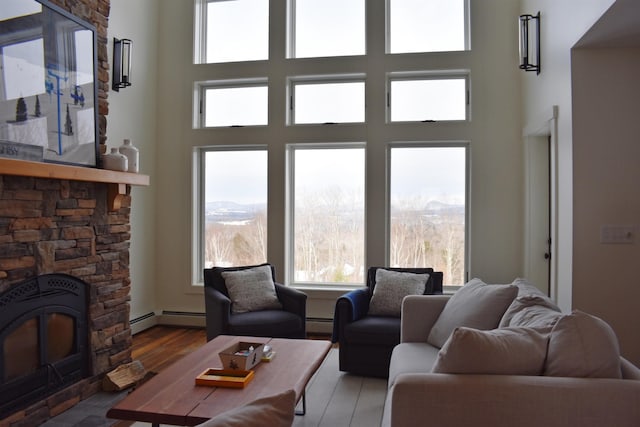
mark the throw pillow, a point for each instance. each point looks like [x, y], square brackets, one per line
[475, 305]
[506, 351]
[531, 311]
[274, 411]
[391, 287]
[582, 345]
[251, 289]
[530, 308]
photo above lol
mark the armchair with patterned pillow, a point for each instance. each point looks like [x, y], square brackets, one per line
[366, 322]
[248, 301]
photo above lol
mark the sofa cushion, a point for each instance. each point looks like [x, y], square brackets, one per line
[266, 323]
[532, 312]
[476, 305]
[274, 411]
[525, 287]
[411, 358]
[391, 288]
[373, 329]
[251, 289]
[531, 308]
[582, 345]
[506, 351]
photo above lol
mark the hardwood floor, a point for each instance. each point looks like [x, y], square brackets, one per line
[334, 399]
[160, 346]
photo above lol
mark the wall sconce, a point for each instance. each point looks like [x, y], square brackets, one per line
[529, 45]
[121, 64]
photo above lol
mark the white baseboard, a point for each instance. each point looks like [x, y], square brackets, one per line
[198, 320]
[319, 326]
[142, 323]
[177, 318]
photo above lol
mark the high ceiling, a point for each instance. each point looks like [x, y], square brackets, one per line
[618, 27]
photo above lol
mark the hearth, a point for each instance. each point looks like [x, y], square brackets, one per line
[43, 339]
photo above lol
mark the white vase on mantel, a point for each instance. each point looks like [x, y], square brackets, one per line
[132, 154]
[115, 161]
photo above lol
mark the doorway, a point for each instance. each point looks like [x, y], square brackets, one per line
[540, 205]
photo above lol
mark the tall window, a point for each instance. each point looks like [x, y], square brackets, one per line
[234, 208]
[349, 79]
[428, 208]
[327, 201]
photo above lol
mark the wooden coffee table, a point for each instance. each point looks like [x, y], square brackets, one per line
[171, 397]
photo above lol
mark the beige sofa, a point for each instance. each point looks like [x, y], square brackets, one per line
[418, 397]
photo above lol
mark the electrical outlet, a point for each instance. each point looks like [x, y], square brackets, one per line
[625, 234]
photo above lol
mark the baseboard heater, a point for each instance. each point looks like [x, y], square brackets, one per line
[196, 319]
[141, 318]
[319, 320]
[182, 318]
[319, 325]
[182, 313]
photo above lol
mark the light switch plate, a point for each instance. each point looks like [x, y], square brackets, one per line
[625, 234]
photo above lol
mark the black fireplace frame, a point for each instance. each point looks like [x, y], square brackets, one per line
[37, 298]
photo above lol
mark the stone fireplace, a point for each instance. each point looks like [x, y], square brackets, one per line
[65, 226]
[73, 221]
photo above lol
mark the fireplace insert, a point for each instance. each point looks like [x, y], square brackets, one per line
[43, 339]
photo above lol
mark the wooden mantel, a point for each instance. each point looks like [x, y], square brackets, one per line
[117, 181]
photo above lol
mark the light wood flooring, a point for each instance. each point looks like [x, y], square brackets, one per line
[334, 399]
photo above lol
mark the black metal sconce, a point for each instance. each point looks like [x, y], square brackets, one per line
[121, 64]
[529, 45]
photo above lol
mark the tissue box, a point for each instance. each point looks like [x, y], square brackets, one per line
[241, 356]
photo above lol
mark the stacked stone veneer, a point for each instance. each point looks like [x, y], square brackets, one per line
[63, 226]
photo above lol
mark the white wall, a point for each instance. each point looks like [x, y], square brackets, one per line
[496, 154]
[563, 23]
[596, 88]
[606, 150]
[133, 115]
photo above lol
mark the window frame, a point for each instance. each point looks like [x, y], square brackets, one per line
[377, 131]
[200, 101]
[467, 198]
[429, 75]
[290, 214]
[199, 200]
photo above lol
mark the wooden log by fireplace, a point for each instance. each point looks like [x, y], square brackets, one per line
[43, 339]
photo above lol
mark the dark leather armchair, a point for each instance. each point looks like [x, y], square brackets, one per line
[290, 322]
[366, 341]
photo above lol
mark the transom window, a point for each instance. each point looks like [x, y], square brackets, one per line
[427, 98]
[329, 101]
[326, 28]
[234, 103]
[427, 25]
[236, 30]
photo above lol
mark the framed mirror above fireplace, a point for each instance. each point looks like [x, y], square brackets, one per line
[48, 85]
